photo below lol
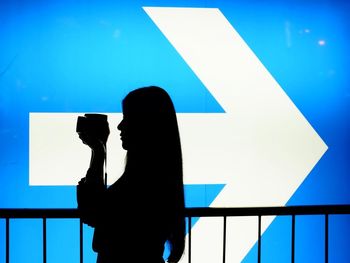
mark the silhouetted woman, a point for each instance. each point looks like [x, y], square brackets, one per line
[134, 217]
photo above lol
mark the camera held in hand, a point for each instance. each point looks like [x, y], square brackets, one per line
[94, 125]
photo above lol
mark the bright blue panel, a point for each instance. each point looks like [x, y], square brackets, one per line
[62, 240]
[77, 56]
[310, 239]
[339, 238]
[26, 240]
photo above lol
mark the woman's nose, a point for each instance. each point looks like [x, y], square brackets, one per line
[120, 125]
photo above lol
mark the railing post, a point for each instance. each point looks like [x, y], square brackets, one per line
[326, 238]
[224, 242]
[259, 239]
[7, 240]
[81, 241]
[44, 240]
[293, 239]
[189, 238]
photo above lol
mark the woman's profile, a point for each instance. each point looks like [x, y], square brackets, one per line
[143, 210]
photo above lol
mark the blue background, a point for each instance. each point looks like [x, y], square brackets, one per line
[81, 56]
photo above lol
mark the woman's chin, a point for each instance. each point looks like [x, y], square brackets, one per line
[124, 145]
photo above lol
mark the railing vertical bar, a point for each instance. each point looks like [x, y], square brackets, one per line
[189, 238]
[224, 242]
[44, 240]
[81, 241]
[293, 239]
[326, 237]
[7, 240]
[259, 239]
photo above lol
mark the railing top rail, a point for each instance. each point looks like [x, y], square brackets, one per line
[192, 212]
[39, 213]
[270, 211]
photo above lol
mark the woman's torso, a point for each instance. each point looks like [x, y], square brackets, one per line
[130, 226]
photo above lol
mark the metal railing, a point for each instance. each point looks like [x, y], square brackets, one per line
[191, 213]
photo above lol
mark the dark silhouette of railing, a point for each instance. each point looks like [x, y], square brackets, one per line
[259, 212]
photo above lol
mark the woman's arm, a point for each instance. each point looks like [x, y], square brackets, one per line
[90, 190]
[98, 154]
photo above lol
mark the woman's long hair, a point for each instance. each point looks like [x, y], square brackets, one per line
[154, 155]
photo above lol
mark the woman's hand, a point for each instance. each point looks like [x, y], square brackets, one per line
[95, 144]
[98, 156]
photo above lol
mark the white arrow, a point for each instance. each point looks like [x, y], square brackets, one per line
[264, 147]
[57, 156]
